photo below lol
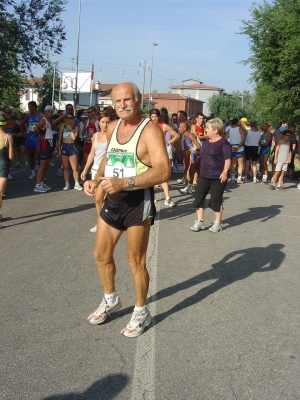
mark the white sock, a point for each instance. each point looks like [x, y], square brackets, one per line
[265, 176]
[167, 198]
[189, 186]
[110, 298]
[141, 310]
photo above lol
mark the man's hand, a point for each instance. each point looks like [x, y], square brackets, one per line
[112, 185]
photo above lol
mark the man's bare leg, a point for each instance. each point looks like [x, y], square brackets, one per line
[106, 239]
[137, 243]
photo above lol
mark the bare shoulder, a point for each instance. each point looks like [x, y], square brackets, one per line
[152, 131]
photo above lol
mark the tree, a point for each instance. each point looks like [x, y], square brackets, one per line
[274, 34]
[44, 88]
[30, 29]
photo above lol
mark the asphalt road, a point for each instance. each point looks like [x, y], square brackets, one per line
[225, 306]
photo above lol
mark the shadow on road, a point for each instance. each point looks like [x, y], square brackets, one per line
[234, 267]
[106, 388]
[47, 214]
[262, 214]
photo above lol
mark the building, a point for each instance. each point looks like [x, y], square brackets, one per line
[195, 89]
[175, 102]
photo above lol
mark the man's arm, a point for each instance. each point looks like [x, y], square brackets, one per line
[175, 136]
[39, 127]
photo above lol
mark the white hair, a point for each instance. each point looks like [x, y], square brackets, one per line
[135, 89]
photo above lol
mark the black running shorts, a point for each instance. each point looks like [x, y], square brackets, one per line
[128, 208]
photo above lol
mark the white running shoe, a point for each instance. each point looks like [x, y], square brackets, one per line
[216, 227]
[104, 311]
[94, 229]
[137, 324]
[46, 187]
[198, 226]
[67, 186]
[187, 190]
[169, 202]
[78, 187]
[39, 189]
[32, 176]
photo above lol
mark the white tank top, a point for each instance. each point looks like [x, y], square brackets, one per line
[235, 137]
[100, 150]
[122, 160]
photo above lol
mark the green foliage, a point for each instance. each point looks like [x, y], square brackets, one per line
[274, 33]
[30, 29]
[45, 88]
[235, 105]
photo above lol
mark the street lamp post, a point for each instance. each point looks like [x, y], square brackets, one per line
[77, 56]
[144, 74]
[154, 44]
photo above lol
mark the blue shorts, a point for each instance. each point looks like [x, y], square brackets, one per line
[237, 154]
[68, 150]
[264, 151]
[33, 141]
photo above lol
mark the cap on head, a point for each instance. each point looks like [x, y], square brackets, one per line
[48, 108]
[244, 119]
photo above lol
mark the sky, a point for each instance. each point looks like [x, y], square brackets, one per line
[196, 40]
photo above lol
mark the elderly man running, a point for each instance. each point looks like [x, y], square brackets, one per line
[135, 161]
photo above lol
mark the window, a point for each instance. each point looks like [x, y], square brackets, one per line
[27, 94]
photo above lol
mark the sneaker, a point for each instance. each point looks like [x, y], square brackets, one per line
[104, 310]
[9, 177]
[255, 180]
[216, 227]
[39, 189]
[198, 226]
[78, 187]
[264, 180]
[279, 188]
[298, 186]
[46, 187]
[187, 190]
[138, 322]
[32, 176]
[240, 181]
[59, 173]
[51, 164]
[272, 187]
[67, 186]
[94, 229]
[182, 181]
[169, 202]
[17, 165]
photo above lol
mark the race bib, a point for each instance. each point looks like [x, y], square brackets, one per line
[120, 165]
[67, 134]
[31, 126]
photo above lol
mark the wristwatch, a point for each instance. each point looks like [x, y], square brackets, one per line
[131, 182]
